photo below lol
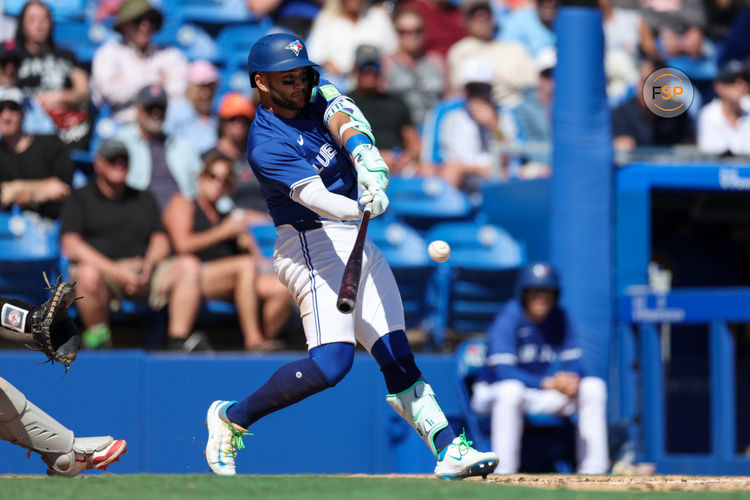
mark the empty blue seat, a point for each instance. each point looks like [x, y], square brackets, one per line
[27, 248]
[423, 201]
[82, 38]
[406, 253]
[234, 42]
[478, 278]
[208, 11]
[265, 236]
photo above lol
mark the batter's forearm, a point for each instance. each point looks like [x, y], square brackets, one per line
[317, 198]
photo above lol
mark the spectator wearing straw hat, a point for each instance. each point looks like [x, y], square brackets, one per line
[121, 68]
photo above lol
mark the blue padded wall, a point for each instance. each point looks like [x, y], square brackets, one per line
[581, 186]
[157, 402]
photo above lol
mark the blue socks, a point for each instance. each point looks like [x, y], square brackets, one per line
[293, 382]
[290, 384]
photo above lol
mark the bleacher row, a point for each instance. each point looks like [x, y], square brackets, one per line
[460, 295]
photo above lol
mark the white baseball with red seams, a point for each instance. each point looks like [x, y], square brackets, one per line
[439, 251]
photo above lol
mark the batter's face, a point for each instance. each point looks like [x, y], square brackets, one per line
[288, 90]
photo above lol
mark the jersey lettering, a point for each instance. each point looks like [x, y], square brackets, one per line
[324, 156]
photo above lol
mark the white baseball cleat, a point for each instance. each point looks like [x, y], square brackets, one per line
[93, 453]
[224, 439]
[461, 460]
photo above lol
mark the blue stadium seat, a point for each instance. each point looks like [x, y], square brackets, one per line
[423, 201]
[214, 12]
[406, 253]
[26, 250]
[477, 279]
[233, 78]
[265, 236]
[234, 42]
[82, 38]
[61, 9]
[191, 39]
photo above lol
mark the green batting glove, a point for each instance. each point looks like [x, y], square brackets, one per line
[372, 172]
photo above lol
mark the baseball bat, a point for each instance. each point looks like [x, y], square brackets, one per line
[353, 270]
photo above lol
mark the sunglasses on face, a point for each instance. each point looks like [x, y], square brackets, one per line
[218, 178]
[118, 160]
[13, 106]
[405, 31]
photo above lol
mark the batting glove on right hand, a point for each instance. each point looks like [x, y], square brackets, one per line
[378, 199]
[372, 172]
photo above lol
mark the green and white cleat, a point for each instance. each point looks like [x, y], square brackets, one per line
[460, 460]
[224, 439]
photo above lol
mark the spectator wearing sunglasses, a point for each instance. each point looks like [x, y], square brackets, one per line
[121, 68]
[35, 170]
[159, 163]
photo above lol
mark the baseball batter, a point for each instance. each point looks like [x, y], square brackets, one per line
[25, 424]
[310, 148]
[534, 366]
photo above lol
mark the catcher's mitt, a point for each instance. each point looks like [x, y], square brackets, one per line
[54, 332]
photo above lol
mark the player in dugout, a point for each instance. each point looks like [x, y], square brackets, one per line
[534, 365]
[25, 424]
[310, 147]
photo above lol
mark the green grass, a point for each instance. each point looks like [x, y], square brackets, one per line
[163, 487]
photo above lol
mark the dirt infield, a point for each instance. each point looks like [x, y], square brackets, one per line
[623, 483]
[613, 483]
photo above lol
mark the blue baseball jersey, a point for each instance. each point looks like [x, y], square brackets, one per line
[520, 349]
[286, 153]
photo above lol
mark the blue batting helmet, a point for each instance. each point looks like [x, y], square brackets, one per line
[278, 52]
[538, 275]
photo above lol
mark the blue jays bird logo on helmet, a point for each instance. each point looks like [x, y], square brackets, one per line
[541, 270]
[295, 47]
[279, 52]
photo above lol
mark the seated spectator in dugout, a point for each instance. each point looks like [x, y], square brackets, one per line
[159, 163]
[534, 366]
[396, 136]
[193, 119]
[724, 123]
[118, 249]
[121, 68]
[35, 170]
[232, 261]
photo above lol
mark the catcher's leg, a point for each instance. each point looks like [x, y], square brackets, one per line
[25, 424]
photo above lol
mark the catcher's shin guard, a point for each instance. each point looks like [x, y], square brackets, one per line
[25, 424]
[418, 406]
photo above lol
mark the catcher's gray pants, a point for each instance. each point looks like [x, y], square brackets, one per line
[24, 424]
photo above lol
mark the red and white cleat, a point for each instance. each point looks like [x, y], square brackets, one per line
[94, 453]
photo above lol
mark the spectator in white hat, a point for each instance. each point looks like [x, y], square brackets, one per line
[466, 133]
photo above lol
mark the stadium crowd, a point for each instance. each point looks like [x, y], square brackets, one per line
[444, 85]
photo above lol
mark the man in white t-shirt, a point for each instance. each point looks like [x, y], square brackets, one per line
[723, 124]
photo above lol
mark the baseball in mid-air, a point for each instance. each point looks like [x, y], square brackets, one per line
[439, 251]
